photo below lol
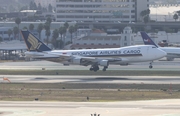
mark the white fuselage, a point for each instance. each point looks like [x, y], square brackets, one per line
[140, 53]
[171, 51]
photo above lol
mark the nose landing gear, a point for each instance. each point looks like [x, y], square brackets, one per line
[150, 65]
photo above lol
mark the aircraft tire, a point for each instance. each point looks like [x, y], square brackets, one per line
[91, 69]
[105, 67]
[150, 67]
[96, 68]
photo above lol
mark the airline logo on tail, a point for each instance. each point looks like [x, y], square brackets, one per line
[34, 42]
[147, 40]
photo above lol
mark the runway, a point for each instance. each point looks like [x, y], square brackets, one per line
[38, 65]
[126, 108]
[167, 107]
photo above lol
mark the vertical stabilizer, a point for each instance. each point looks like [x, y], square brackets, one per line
[33, 43]
[147, 40]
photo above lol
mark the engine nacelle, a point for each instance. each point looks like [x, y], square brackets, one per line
[104, 63]
[76, 61]
[170, 58]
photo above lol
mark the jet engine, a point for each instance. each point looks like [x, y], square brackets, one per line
[104, 63]
[170, 58]
[76, 61]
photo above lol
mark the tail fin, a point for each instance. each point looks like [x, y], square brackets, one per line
[147, 40]
[33, 43]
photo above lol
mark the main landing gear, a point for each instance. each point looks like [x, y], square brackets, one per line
[105, 67]
[150, 65]
[95, 68]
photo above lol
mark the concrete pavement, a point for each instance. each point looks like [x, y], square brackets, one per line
[126, 108]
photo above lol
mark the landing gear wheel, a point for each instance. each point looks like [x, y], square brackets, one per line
[91, 69]
[105, 67]
[150, 67]
[94, 68]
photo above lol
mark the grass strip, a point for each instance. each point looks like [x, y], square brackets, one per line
[79, 92]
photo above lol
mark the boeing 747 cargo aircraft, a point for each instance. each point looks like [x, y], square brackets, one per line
[92, 57]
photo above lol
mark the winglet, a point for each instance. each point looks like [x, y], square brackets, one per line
[33, 43]
[147, 40]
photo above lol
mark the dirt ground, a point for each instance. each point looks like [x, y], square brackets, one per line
[79, 92]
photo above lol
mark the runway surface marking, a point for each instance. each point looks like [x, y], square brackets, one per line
[22, 112]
